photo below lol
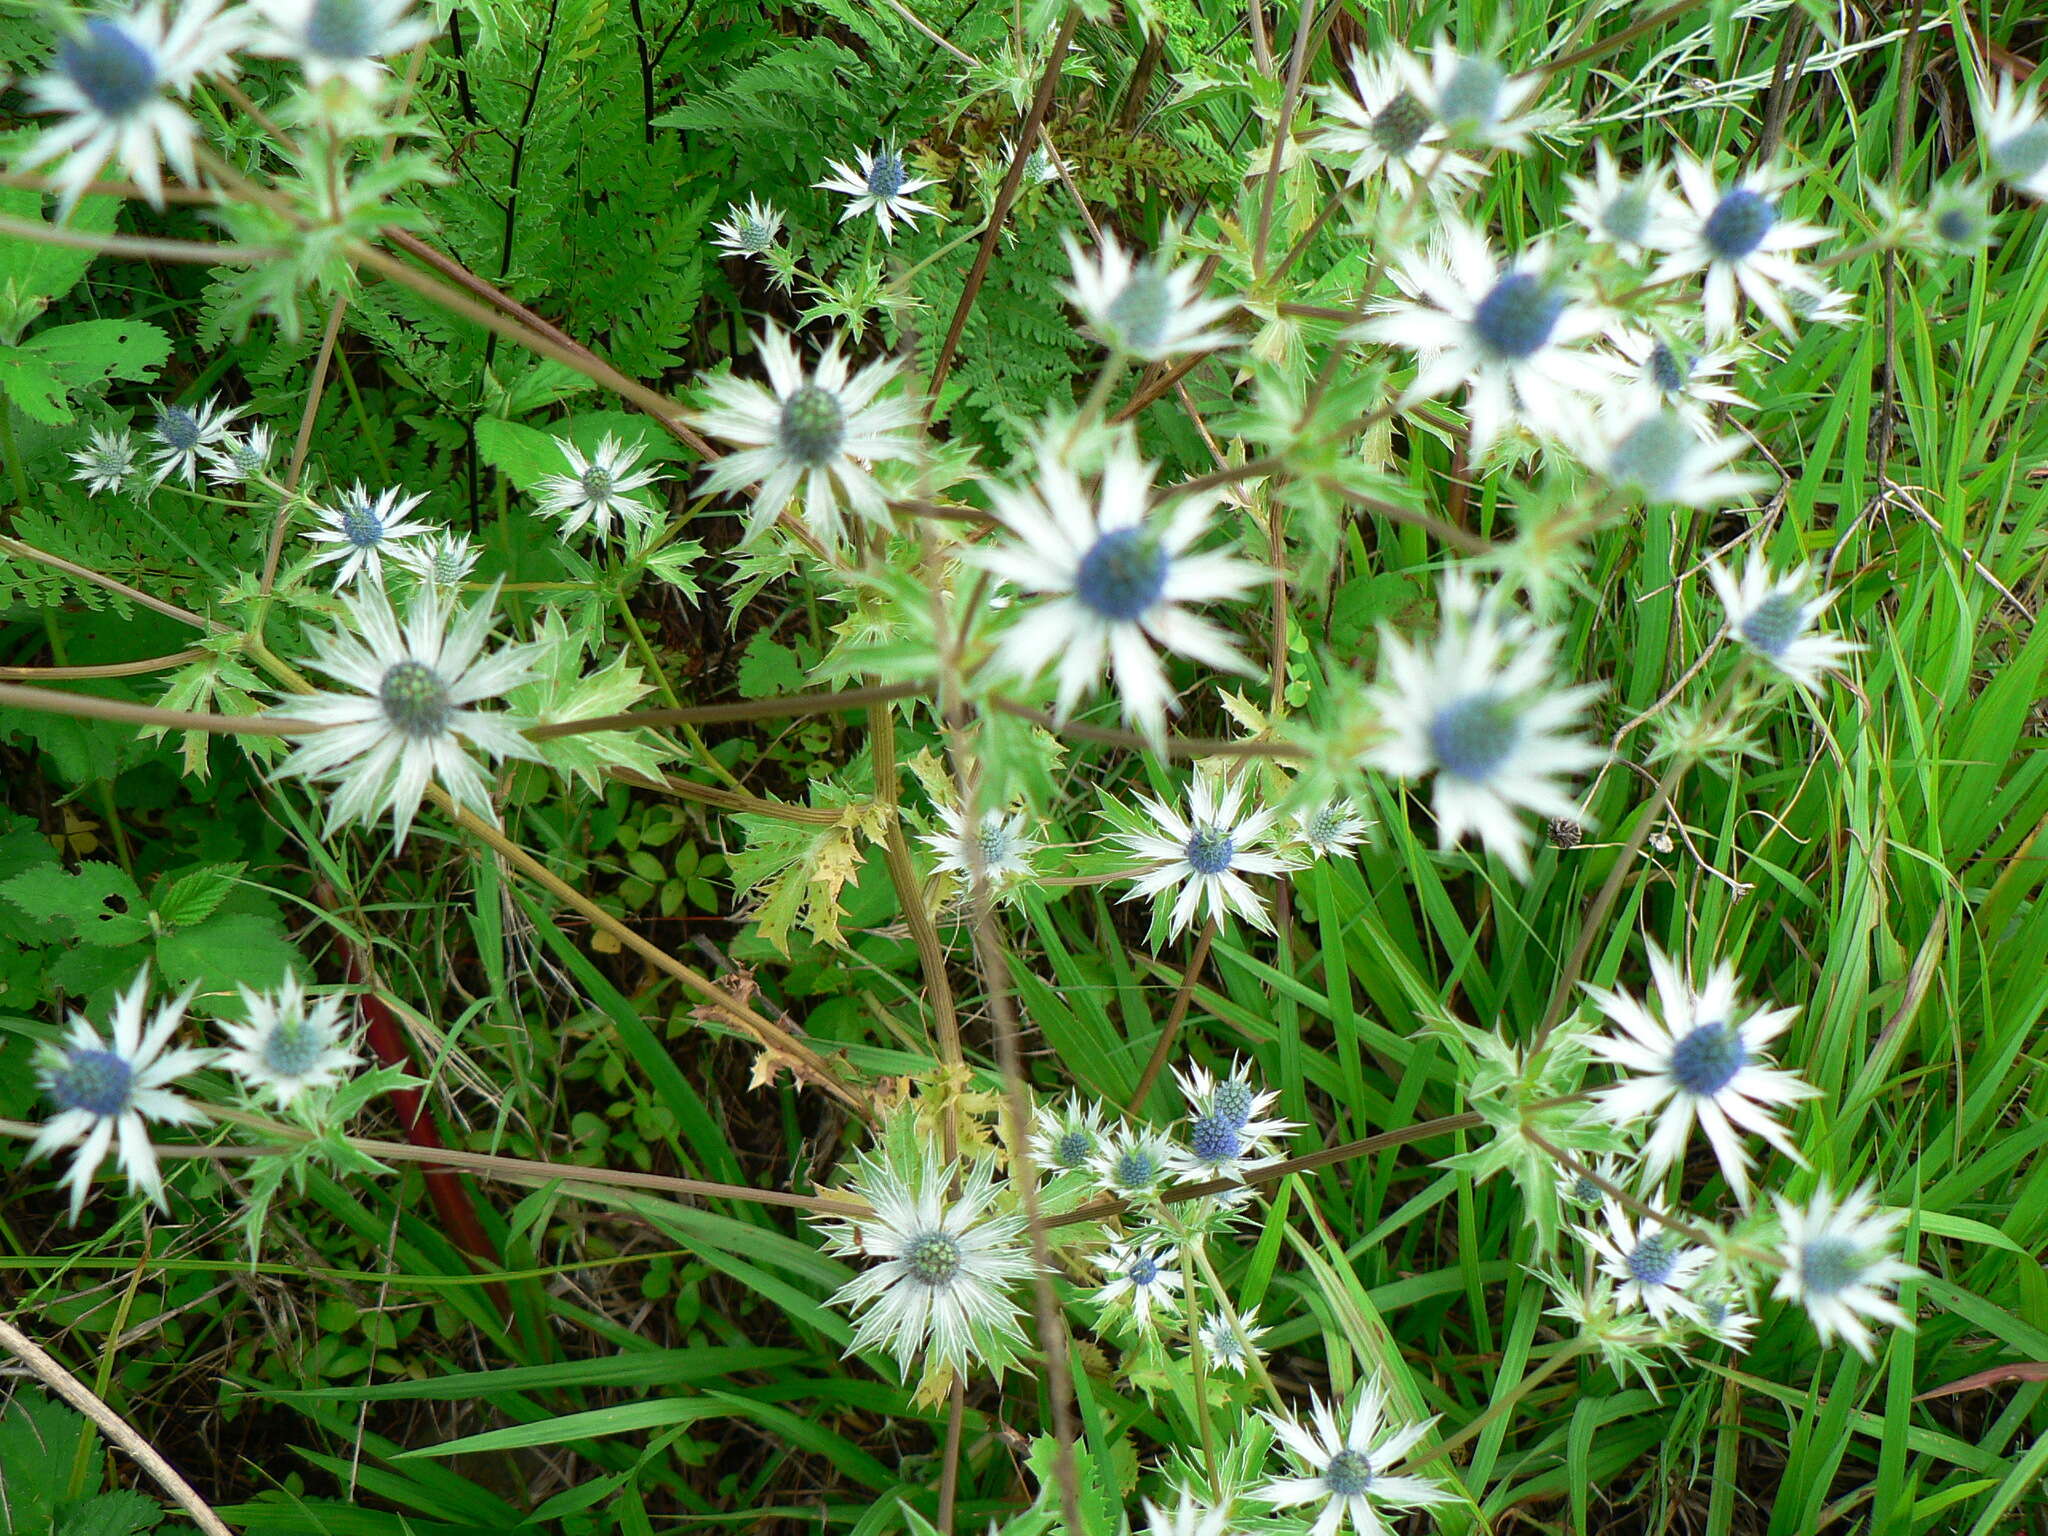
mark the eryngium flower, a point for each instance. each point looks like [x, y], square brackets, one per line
[1738, 237]
[1505, 331]
[1482, 711]
[881, 184]
[364, 528]
[2015, 137]
[749, 231]
[1651, 1265]
[1066, 1138]
[409, 720]
[946, 1264]
[1331, 828]
[289, 1044]
[1625, 212]
[1000, 846]
[1226, 1349]
[1206, 854]
[183, 435]
[1383, 125]
[597, 487]
[1773, 616]
[241, 457]
[1661, 455]
[108, 1088]
[1838, 1265]
[1703, 1060]
[1118, 581]
[112, 77]
[339, 39]
[1347, 1467]
[106, 462]
[1146, 307]
[1142, 1276]
[816, 434]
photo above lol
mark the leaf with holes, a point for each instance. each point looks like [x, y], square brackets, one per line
[98, 904]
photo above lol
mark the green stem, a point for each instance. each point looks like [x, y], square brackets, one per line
[668, 692]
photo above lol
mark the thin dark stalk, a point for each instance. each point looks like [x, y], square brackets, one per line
[1041, 103]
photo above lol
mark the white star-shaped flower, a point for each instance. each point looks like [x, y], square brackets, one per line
[809, 436]
[411, 715]
[1701, 1061]
[1740, 239]
[599, 487]
[113, 78]
[1838, 1265]
[880, 184]
[106, 1090]
[1482, 711]
[289, 1044]
[1347, 1466]
[1508, 332]
[1773, 616]
[1145, 307]
[1206, 855]
[1117, 579]
[1651, 1265]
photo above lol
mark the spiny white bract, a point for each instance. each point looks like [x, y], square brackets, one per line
[1346, 1465]
[109, 1088]
[598, 487]
[112, 77]
[340, 39]
[1773, 617]
[1117, 580]
[2016, 138]
[1838, 1264]
[183, 435]
[812, 434]
[881, 184]
[1481, 709]
[1145, 307]
[1382, 126]
[289, 1044]
[241, 458]
[1701, 1061]
[409, 720]
[1143, 1277]
[1229, 1131]
[106, 462]
[363, 529]
[1206, 855]
[945, 1267]
[1000, 846]
[1738, 237]
[1651, 1265]
[748, 231]
[1190, 1517]
[1507, 331]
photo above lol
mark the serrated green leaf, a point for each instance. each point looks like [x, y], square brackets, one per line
[227, 948]
[38, 1441]
[33, 386]
[769, 669]
[93, 351]
[523, 455]
[192, 898]
[122, 1512]
[563, 691]
[98, 904]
